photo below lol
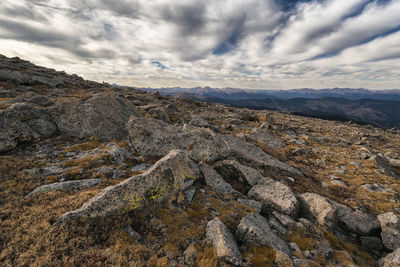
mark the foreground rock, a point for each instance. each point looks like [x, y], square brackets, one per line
[391, 260]
[66, 186]
[22, 122]
[275, 196]
[318, 209]
[155, 138]
[254, 229]
[172, 173]
[390, 234]
[102, 115]
[223, 241]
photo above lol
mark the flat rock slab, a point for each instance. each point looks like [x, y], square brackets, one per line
[223, 241]
[254, 229]
[275, 196]
[253, 204]
[66, 186]
[169, 175]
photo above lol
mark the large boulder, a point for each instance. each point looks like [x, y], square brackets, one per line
[356, 221]
[66, 186]
[223, 241]
[390, 234]
[214, 180]
[172, 173]
[275, 196]
[254, 229]
[102, 115]
[22, 122]
[318, 209]
[155, 138]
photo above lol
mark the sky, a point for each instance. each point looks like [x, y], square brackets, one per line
[258, 44]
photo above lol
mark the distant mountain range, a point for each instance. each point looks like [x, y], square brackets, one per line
[380, 108]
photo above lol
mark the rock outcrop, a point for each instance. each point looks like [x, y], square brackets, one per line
[172, 173]
[104, 116]
[391, 260]
[155, 138]
[215, 181]
[22, 122]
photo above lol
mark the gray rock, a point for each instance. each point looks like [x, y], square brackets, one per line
[378, 188]
[267, 137]
[324, 249]
[250, 175]
[172, 173]
[117, 174]
[155, 138]
[189, 194]
[391, 259]
[390, 234]
[384, 164]
[119, 154]
[136, 237]
[356, 221]
[285, 220]
[141, 167]
[199, 122]
[223, 241]
[254, 229]
[371, 242]
[275, 196]
[215, 181]
[22, 122]
[275, 224]
[66, 186]
[102, 115]
[318, 209]
[106, 170]
[253, 204]
[159, 113]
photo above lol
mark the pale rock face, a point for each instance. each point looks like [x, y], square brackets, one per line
[223, 241]
[102, 115]
[66, 186]
[391, 260]
[22, 122]
[172, 173]
[214, 180]
[275, 196]
[254, 229]
[390, 234]
[318, 208]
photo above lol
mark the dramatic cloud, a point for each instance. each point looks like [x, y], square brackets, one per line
[219, 43]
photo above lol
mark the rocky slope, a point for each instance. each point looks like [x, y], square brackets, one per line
[92, 174]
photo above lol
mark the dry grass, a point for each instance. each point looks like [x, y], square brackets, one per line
[89, 145]
[261, 256]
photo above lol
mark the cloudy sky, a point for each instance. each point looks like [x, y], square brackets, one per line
[271, 44]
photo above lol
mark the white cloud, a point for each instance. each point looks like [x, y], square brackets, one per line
[236, 43]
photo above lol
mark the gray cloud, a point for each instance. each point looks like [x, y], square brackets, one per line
[253, 43]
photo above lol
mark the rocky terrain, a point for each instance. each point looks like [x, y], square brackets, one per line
[93, 175]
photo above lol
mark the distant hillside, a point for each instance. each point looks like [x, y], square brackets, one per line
[378, 108]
